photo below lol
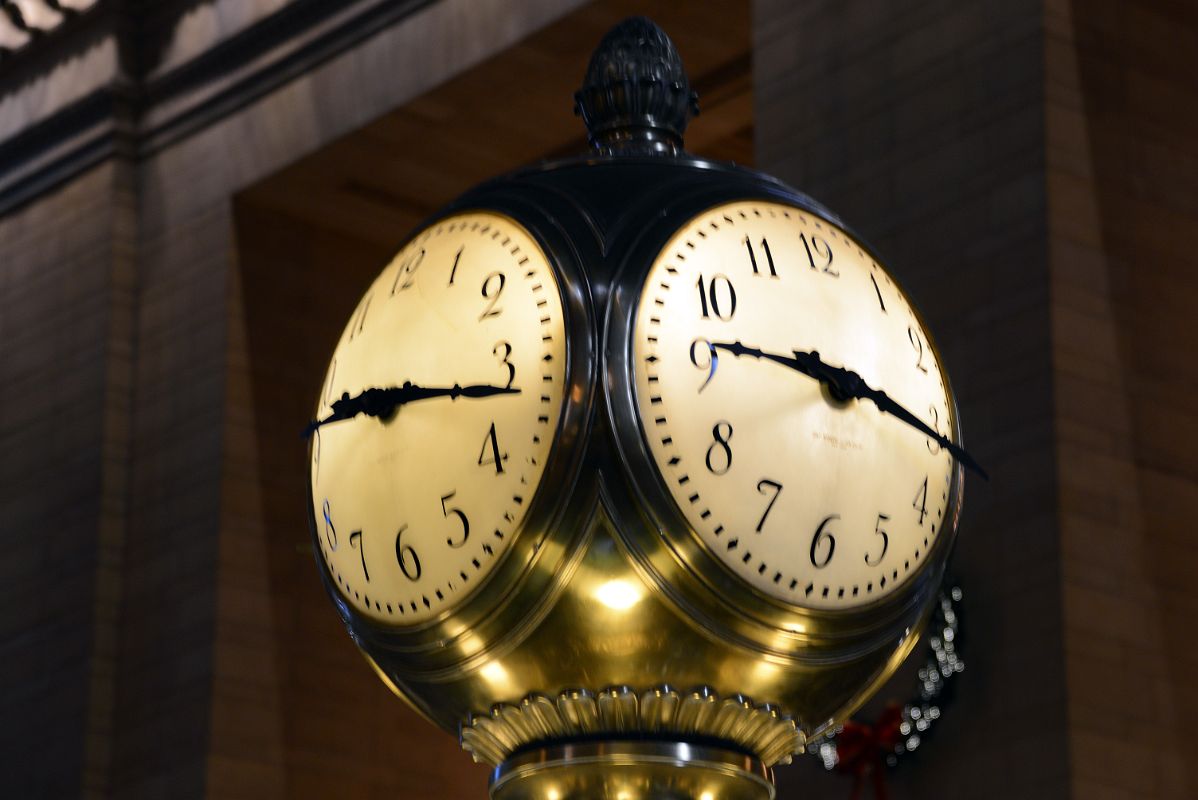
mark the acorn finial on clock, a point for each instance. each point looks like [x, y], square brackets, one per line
[636, 97]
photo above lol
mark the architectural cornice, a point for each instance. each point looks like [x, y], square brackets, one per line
[23, 23]
[141, 109]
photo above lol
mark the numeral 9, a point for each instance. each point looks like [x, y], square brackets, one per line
[712, 359]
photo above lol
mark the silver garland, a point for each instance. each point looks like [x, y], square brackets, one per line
[942, 662]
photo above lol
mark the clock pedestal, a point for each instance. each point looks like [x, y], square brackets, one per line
[660, 708]
[635, 770]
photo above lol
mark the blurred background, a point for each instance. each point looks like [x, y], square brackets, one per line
[194, 193]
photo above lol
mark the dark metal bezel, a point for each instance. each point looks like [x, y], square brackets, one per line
[672, 553]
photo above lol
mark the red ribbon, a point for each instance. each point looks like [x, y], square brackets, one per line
[862, 749]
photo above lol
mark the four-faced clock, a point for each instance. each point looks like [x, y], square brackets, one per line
[794, 405]
[437, 416]
[749, 491]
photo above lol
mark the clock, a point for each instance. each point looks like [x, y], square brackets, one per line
[439, 410]
[647, 422]
[793, 408]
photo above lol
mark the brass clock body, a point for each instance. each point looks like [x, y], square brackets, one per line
[600, 438]
[605, 581]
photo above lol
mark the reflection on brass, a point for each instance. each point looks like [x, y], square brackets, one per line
[588, 613]
[621, 711]
[632, 770]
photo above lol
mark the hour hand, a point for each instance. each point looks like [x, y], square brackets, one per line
[383, 402]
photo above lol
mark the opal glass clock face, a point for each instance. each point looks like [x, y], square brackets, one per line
[413, 509]
[815, 501]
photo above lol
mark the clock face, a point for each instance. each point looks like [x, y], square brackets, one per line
[814, 501]
[414, 509]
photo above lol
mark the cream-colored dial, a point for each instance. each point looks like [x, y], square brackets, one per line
[413, 509]
[814, 501]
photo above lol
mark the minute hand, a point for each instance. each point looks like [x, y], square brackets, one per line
[844, 384]
[382, 403]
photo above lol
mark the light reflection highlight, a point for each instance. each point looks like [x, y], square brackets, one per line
[494, 674]
[618, 595]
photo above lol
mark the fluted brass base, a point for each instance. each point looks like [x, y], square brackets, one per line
[631, 770]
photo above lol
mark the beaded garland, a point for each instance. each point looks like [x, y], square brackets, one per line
[942, 662]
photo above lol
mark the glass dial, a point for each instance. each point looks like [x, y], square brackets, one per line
[813, 500]
[413, 508]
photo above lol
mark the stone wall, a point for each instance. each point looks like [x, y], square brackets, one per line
[119, 622]
[1122, 145]
[922, 124]
[64, 357]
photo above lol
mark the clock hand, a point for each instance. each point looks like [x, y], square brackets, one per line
[801, 362]
[382, 403]
[844, 384]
